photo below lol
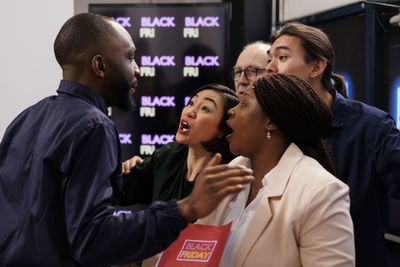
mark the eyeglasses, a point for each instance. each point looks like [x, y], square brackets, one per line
[249, 73]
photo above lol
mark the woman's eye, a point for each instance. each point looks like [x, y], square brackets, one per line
[190, 103]
[205, 108]
[282, 57]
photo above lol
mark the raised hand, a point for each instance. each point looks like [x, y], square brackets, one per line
[212, 185]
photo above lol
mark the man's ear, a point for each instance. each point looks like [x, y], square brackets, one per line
[98, 65]
[318, 68]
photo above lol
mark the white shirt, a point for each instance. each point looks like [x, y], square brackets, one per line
[240, 216]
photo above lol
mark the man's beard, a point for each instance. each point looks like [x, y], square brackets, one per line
[122, 87]
[125, 101]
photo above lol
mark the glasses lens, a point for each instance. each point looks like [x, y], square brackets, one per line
[236, 73]
[251, 73]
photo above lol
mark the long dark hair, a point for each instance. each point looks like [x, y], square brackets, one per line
[298, 112]
[317, 46]
[230, 99]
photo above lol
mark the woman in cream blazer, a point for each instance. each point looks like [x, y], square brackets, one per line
[297, 212]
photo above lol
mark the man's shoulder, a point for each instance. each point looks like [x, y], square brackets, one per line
[356, 110]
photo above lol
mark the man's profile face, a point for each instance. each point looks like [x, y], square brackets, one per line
[123, 69]
[254, 57]
[287, 55]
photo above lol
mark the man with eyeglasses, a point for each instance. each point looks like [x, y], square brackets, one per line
[250, 64]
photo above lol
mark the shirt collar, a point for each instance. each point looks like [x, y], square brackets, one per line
[83, 92]
[338, 110]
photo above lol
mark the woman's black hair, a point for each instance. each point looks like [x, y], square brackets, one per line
[298, 112]
[230, 99]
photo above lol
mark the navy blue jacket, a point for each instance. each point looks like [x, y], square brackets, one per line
[60, 167]
[366, 146]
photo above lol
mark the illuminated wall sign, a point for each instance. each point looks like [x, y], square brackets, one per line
[191, 33]
[148, 63]
[147, 33]
[202, 22]
[162, 61]
[147, 150]
[162, 22]
[163, 139]
[208, 61]
[147, 112]
[147, 71]
[148, 25]
[192, 24]
[125, 138]
[162, 101]
[191, 72]
[124, 21]
[186, 100]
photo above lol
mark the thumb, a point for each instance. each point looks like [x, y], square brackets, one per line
[215, 160]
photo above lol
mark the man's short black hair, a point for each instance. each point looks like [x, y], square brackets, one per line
[80, 36]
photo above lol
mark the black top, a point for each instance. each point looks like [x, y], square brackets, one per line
[162, 176]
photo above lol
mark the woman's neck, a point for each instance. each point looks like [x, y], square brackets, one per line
[262, 163]
[197, 160]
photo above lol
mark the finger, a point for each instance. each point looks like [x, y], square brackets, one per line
[232, 189]
[223, 171]
[233, 180]
[126, 167]
[219, 187]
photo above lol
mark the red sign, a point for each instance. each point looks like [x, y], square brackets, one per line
[197, 245]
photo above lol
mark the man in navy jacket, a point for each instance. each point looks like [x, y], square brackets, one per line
[60, 164]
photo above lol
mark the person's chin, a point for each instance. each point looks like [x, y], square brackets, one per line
[127, 104]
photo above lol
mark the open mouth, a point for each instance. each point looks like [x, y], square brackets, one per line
[229, 132]
[184, 127]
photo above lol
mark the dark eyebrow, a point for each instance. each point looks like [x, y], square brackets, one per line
[212, 101]
[282, 47]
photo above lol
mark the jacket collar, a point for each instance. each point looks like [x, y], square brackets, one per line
[83, 92]
[338, 109]
[276, 187]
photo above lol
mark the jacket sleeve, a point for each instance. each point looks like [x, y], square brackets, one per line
[97, 235]
[326, 236]
[387, 156]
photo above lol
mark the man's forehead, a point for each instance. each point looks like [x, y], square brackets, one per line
[285, 42]
[252, 57]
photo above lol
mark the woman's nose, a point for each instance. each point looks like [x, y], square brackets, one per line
[191, 113]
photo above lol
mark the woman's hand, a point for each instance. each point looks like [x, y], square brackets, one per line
[130, 163]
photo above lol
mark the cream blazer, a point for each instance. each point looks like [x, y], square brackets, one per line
[303, 218]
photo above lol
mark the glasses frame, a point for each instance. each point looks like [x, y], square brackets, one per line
[246, 71]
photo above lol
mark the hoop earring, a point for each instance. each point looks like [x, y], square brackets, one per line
[268, 134]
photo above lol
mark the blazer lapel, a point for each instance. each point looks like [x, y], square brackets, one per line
[275, 187]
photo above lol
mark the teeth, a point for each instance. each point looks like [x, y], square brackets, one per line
[185, 125]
